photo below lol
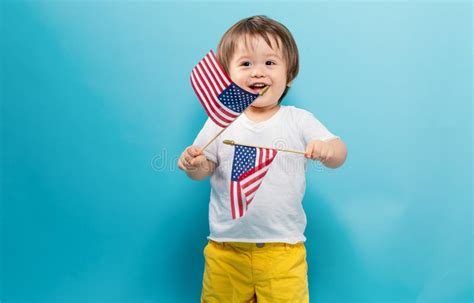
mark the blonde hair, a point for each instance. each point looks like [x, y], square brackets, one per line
[264, 27]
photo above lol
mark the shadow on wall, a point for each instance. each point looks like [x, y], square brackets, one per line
[175, 263]
[330, 251]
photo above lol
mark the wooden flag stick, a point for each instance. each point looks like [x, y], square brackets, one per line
[264, 90]
[212, 140]
[215, 137]
[231, 142]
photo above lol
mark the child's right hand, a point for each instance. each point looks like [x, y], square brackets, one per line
[191, 159]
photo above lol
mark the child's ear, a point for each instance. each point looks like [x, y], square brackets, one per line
[289, 83]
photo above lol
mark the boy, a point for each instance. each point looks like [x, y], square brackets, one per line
[260, 257]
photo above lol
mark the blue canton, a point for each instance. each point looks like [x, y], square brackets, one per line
[244, 160]
[236, 98]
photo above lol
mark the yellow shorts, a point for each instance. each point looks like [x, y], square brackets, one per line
[244, 272]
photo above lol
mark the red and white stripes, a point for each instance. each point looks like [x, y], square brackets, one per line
[208, 80]
[243, 191]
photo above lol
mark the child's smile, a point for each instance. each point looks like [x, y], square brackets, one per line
[258, 86]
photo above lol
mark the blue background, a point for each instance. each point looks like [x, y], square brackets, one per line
[97, 106]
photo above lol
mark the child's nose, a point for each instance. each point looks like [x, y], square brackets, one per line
[257, 73]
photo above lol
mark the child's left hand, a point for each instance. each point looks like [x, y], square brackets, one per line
[319, 150]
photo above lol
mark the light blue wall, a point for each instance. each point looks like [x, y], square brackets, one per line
[97, 106]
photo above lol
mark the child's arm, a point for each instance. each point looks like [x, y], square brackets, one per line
[331, 153]
[195, 164]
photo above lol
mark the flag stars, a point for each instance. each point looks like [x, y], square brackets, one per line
[244, 159]
[236, 98]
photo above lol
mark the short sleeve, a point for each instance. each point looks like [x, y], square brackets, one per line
[313, 129]
[207, 133]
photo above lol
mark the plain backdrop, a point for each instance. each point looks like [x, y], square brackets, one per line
[96, 106]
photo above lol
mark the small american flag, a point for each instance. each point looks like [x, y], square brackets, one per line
[222, 99]
[249, 167]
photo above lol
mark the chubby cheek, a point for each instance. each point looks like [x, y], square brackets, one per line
[239, 83]
[237, 78]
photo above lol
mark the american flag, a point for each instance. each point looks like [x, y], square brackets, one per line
[249, 167]
[222, 99]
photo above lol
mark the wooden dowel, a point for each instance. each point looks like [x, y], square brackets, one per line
[264, 90]
[212, 140]
[231, 142]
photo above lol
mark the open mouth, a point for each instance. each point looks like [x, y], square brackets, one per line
[256, 88]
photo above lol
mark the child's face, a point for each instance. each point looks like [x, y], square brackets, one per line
[256, 65]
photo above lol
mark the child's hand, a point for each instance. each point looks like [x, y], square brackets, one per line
[191, 159]
[319, 150]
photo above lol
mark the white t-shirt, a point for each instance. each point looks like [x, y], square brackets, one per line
[276, 213]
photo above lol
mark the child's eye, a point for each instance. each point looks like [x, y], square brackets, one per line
[269, 63]
[246, 63]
